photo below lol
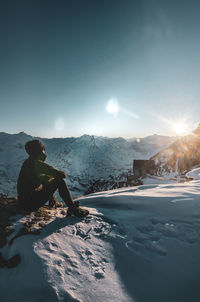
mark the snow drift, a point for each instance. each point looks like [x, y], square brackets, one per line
[138, 244]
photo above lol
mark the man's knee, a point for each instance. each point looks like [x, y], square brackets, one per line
[56, 180]
[61, 182]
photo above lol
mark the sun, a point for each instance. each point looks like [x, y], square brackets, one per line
[180, 128]
[112, 107]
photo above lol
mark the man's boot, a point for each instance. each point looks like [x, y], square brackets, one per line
[77, 211]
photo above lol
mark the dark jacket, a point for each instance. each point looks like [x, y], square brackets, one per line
[33, 173]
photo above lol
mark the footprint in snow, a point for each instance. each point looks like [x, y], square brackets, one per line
[82, 233]
[97, 266]
[54, 244]
[99, 274]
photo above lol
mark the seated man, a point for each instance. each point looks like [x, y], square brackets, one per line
[38, 181]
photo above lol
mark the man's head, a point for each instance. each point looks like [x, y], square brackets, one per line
[35, 148]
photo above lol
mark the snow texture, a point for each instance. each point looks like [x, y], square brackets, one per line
[138, 244]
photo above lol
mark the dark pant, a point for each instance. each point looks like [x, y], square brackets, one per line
[38, 198]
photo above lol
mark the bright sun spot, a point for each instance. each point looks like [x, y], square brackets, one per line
[180, 128]
[112, 107]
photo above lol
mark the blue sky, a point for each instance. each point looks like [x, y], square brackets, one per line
[62, 61]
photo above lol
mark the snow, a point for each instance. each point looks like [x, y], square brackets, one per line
[195, 174]
[138, 244]
[151, 179]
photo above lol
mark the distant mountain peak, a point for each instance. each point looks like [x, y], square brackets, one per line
[85, 159]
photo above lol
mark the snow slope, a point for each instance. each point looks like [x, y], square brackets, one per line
[195, 174]
[138, 244]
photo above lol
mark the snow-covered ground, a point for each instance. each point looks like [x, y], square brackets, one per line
[151, 179]
[195, 173]
[138, 244]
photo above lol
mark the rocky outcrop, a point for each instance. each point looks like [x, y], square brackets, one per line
[32, 223]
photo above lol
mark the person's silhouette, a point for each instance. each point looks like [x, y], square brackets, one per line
[38, 181]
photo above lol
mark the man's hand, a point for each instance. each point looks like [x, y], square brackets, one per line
[39, 188]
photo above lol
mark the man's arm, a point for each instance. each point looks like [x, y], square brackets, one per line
[43, 168]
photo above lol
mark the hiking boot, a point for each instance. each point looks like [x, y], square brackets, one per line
[54, 203]
[77, 211]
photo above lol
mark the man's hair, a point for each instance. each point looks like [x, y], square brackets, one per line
[34, 147]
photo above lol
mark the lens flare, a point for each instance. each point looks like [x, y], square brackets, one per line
[112, 107]
[180, 128]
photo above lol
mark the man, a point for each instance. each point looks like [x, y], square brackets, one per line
[38, 181]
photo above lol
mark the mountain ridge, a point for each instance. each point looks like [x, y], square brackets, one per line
[85, 159]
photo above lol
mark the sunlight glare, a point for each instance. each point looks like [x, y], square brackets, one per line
[180, 128]
[112, 107]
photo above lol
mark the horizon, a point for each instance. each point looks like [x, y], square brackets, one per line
[107, 68]
[110, 137]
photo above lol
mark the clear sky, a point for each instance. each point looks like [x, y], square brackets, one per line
[63, 61]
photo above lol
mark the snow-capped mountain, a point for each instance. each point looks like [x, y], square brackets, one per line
[181, 156]
[86, 159]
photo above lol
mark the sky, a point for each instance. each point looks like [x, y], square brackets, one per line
[100, 67]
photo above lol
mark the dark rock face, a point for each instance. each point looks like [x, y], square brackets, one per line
[8, 208]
